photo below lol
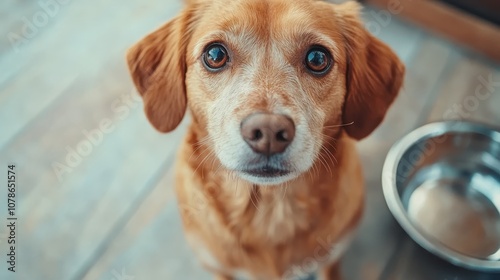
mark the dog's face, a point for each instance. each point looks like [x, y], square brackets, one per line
[271, 81]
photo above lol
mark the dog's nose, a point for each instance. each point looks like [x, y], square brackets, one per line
[267, 134]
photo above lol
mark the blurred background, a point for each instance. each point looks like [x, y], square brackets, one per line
[94, 196]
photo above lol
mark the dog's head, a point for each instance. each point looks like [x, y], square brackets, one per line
[271, 82]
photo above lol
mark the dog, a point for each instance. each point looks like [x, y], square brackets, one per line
[268, 178]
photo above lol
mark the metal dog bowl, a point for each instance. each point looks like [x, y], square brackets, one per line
[442, 184]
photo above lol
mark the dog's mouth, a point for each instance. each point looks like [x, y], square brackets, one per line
[266, 172]
[263, 171]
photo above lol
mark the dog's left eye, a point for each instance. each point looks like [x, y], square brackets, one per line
[215, 57]
[318, 60]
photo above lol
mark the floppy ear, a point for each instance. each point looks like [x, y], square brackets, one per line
[157, 64]
[374, 74]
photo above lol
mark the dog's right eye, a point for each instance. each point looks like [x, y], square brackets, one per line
[215, 57]
[318, 60]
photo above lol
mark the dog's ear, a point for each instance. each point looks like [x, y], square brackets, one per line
[157, 64]
[374, 74]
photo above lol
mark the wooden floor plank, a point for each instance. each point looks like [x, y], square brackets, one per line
[144, 247]
[99, 189]
[44, 64]
[471, 91]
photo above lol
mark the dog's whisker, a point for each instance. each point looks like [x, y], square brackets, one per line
[284, 191]
[328, 144]
[251, 198]
[330, 162]
[214, 159]
[332, 156]
[329, 137]
[332, 139]
[201, 163]
[236, 192]
[218, 168]
[315, 170]
[203, 170]
[200, 145]
[331, 146]
[201, 153]
[329, 154]
[338, 125]
[324, 163]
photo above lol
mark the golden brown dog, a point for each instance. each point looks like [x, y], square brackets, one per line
[268, 178]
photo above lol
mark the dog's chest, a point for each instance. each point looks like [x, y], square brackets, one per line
[324, 254]
[270, 228]
[278, 218]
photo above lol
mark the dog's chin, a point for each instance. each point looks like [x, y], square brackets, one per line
[271, 178]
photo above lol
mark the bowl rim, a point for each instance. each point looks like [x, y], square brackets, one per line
[396, 207]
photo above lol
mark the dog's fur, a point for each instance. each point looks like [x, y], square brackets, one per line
[274, 228]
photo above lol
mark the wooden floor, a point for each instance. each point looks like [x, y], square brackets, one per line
[111, 213]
